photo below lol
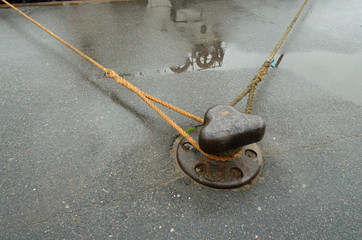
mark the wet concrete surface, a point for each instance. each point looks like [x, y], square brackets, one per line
[83, 158]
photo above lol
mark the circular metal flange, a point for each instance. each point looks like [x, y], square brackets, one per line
[217, 174]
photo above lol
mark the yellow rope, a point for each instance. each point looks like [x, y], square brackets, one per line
[110, 73]
[146, 97]
[176, 109]
[263, 71]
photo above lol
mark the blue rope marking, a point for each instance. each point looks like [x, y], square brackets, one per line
[273, 66]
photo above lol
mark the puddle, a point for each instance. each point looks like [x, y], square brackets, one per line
[225, 56]
[339, 74]
[202, 36]
[196, 33]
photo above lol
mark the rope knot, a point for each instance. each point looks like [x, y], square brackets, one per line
[260, 76]
[110, 73]
[269, 63]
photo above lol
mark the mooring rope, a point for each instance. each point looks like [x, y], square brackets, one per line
[111, 74]
[146, 97]
[263, 71]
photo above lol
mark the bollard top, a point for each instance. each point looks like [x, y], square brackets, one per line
[225, 128]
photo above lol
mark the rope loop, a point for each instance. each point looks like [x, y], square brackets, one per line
[272, 65]
[110, 73]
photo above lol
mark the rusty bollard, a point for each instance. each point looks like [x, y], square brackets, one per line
[225, 132]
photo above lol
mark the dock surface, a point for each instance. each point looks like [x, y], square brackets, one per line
[83, 158]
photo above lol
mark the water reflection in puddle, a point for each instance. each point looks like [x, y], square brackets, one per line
[210, 51]
[198, 24]
[212, 60]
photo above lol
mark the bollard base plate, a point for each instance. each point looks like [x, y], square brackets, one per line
[223, 175]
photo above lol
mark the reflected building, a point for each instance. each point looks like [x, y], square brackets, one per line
[207, 47]
[208, 50]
